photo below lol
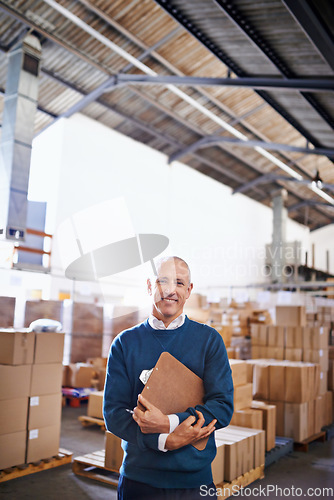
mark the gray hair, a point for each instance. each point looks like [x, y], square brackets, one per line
[162, 260]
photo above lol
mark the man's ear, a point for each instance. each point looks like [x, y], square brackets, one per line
[149, 286]
[190, 287]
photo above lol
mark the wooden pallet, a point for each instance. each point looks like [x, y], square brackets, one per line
[92, 466]
[225, 490]
[63, 457]
[303, 445]
[87, 421]
[283, 446]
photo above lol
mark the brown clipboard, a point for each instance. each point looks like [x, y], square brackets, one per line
[173, 388]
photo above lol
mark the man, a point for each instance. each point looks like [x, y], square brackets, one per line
[159, 460]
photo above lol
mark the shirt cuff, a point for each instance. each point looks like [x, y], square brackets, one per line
[173, 423]
[162, 442]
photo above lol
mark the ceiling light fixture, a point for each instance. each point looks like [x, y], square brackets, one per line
[317, 181]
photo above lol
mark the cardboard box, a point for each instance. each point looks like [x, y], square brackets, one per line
[98, 362]
[243, 396]
[295, 421]
[316, 337]
[248, 418]
[233, 456]
[7, 311]
[259, 352]
[323, 385]
[16, 348]
[261, 381]
[310, 417]
[218, 464]
[294, 337]
[239, 372]
[46, 379]
[36, 309]
[101, 375]
[113, 452]
[49, 347]
[276, 336]
[298, 387]
[80, 375]
[15, 381]
[269, 421]
[12, 449]
[95, 404]
[330, 377]
[44, 411]
[263, 335]
[319, 356]
[277, 382]
[13, 415]
[328, 408]
[290, 316]
[319, 413]
[275, 353]
[253, 445]
[43, 443]
[293, 354]
[279, 416]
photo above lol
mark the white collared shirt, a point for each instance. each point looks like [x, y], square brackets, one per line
[157, 324]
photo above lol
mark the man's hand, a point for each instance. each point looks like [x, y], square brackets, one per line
[151, 420]
[187, 433]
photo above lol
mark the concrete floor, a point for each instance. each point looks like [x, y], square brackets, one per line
[314, 469]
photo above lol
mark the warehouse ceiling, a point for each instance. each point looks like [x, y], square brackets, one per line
[241, 91]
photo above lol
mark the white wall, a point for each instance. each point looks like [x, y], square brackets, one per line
[323, 240]
[220, 234]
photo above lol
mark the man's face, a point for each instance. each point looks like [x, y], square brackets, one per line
[170, 290]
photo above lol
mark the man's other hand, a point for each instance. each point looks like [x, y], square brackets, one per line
[189, 433]
[150, 420]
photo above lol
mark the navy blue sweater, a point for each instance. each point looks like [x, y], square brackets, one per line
[202, 350]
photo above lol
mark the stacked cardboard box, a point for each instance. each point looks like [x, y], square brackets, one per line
[240, 316]
[239, 450]
[30, 397]
[248, 413]
[7, 311]
[293, 343]
[36, 309]
[293, 387]
[243, 390]
[87, 331]
[79, 375]
[95, 405]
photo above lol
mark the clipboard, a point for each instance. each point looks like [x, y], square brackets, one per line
[173, 388]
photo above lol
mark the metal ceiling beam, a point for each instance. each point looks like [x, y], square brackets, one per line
[308, 203]
[258, 83]
[151, 130]
[75, 51]
[253, 34]
[313, 28]
[214, 139]
[15, 14]
[263, 179]
[205, 40]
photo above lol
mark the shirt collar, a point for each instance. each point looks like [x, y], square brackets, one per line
[157, 324]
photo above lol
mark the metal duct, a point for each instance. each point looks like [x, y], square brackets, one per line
[279, 236]
[20, 104]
